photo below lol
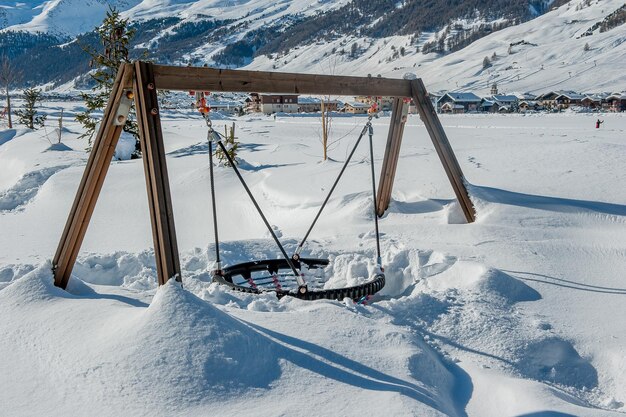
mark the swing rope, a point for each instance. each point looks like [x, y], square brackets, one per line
[210, 136]
[367, 126]
[217, 137]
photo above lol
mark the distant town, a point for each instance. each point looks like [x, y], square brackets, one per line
[445, 102]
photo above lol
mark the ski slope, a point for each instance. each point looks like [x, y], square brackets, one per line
[514, 315]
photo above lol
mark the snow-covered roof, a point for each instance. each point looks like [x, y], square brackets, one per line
[358, 105]
[571, 95]
[505, 98]
[453, 106]
[618, 96]
[462, 97]
[314, 100]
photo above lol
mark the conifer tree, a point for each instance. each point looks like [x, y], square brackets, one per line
[115, 36]
[28, 114]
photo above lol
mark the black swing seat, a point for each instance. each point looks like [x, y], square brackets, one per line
[239, 277]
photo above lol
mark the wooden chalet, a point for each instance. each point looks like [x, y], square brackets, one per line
[617, 102]
[568, 98]
[469, 102]
[354, 107]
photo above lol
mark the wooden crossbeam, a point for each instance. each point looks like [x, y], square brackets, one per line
[392, 153]
[91, 183]
[211, 79]
[443, 148]
[155, 168]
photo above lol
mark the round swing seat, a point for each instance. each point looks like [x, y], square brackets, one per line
[275, 275]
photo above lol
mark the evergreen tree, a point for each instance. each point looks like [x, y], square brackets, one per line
[486, 62]
[28, 114]
[115, 36]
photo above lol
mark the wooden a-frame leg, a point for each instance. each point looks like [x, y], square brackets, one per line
[157, 181]
[443, 148]
[392, 153]
[91, 182]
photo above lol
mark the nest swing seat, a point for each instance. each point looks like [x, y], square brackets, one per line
[290, 275]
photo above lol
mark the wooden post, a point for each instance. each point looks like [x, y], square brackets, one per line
[443, 148]
[157, 181]
[91, 183]
[392, 153]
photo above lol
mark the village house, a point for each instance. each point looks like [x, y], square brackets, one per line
[529, 105]
[275, 103]
[271, 103]
[499, 103]
[591, 102]
[468, 101]
[225, 106]
[314, 105]
[548, 100]
[252, 104]
[384, 103]
[568, 98]
[356, 107]
[450, 107]
[616, 102]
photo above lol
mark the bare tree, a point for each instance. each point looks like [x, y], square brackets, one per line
[8, 75]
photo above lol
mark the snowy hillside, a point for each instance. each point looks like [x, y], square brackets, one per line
[573, 47]
[73, 17]
[518, 314]
[549, 53]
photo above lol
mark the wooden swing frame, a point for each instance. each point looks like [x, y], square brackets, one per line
[140, 80]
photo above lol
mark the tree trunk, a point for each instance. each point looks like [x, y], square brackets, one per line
[324, 131]
[9, 109]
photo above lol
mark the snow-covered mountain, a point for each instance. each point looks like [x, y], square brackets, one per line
[73, 17]
[577, 46]
[554, 51]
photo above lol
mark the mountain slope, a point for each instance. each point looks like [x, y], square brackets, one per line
[545, 53]
[465, 46]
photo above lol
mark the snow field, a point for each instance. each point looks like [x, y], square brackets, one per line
[512, 315]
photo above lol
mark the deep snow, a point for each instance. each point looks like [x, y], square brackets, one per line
[517, 314]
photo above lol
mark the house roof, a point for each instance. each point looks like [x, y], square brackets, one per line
[505, 98]
[462, 97]
[571, 95]
[314, 100]
[358, 105]
[619, 96]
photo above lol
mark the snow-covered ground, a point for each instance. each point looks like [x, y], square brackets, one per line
[518, 314]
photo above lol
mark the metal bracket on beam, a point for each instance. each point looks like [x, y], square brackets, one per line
[124, 108]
